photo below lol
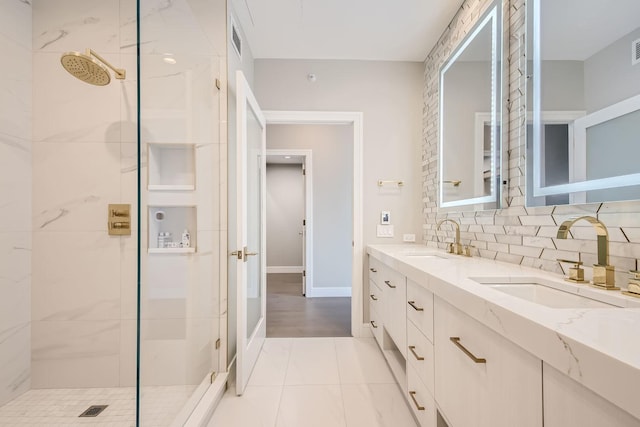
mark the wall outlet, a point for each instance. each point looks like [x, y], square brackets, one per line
[408, 237]
[384, 230]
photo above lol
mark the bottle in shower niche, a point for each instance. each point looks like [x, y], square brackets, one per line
[162, 241]
[186, 239]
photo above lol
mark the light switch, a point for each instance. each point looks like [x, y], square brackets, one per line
[408, 237]
[384, 230]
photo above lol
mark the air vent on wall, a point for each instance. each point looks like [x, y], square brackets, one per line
[635, 52]
[236, 40]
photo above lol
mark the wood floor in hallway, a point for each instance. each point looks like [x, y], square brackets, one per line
[290, 314]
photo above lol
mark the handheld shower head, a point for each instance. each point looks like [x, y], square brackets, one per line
[89, 69]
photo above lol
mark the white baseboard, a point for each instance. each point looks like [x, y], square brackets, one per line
[328, 292]
[284, 269]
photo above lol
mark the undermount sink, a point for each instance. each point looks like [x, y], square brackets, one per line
[422, 255]
[543, 294]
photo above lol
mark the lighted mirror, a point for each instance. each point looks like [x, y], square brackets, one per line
[470, 108]
[583, 126]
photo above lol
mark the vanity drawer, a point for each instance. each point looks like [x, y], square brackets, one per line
[420, 399]
[375, 297]
[376, 324]
[376, 268]
[420, 355]
[420, 308]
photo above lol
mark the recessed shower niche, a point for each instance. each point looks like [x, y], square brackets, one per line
[172, 229]
[171, 167]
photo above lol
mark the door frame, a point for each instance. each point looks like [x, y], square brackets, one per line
[307, 155]
[355, 119]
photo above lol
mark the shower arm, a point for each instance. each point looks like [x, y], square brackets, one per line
[120, 72]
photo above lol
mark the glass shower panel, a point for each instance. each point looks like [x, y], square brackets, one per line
[182, 53]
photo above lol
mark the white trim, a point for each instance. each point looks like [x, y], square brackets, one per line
[203, 412]
[355, 119]
[284, 269]
[308, 210]
[334, 291]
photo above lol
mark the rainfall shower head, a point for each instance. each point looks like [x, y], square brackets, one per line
[89, 69]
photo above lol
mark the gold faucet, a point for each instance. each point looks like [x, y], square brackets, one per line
[456, 246]
[603, 273]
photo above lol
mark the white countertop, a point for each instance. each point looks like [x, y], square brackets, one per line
[598, 347]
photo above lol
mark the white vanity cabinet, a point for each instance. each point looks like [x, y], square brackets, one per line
[481, 379]
[375, 310]
[567, 403]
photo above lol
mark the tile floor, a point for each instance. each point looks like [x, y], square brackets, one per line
[317, 382]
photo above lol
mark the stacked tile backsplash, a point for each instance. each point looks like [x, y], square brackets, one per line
[516, 233]
[15, 199]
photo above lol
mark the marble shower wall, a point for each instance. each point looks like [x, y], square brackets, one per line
[15, 199]
[83, 304]
[516, 233]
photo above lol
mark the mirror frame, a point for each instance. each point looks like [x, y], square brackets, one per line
[575, 190]
[490, 17]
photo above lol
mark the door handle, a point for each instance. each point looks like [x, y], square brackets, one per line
[247, 254]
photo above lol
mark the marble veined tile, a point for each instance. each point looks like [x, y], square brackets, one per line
[376, 405]
[66, 109]
[15, 180]
[75, 353]
[15, 279]
[15, 21]
[15, 361]
[271, 366]
[311, 406]
[64, 202]
[257, 407]
[361, 361]
[129, 98]
[313, 361]
[74, 25]
[76, 276]
[15, 90]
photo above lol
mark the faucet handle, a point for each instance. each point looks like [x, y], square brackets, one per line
[467, 250]
[576, 273]
[633, 287]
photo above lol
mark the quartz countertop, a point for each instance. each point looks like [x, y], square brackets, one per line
[597, 347]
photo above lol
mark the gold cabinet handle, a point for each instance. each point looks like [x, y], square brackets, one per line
[415, 307]
[412, 349]
[373, 270]
[373, 323]
[389, 284]
[373, 297]
[456, 341]
[415, 402]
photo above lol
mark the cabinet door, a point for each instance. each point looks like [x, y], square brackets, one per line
[420, 308]
[394, 296]
[375, 308]
[481, 378]
[570, 404]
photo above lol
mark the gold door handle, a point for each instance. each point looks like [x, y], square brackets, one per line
[389, 284]
[247, 254]
[415, 402]
[373, 297]
[373, 270]
[415, 307]
[412, 349]
[373, 323]
[456, 341]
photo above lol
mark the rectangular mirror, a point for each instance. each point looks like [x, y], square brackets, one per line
[470, 118]
[583, 126]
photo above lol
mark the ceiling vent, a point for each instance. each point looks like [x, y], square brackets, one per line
[236, 40]
[635, 52]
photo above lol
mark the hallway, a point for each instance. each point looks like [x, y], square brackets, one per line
[317, 382]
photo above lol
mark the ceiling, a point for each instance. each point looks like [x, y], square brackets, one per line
[385, 30]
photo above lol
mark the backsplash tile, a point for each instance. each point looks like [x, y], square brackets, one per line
[517, 234]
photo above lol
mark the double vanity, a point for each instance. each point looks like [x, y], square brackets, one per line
[476, 342]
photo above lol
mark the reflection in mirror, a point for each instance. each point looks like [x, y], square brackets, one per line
[583, 126]
[470, 101]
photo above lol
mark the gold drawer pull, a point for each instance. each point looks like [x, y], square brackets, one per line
[412, 349]
[456, 341]
[373, 270]
[415, 307]
[389, 284]
[373, 323]
[415, 402]
[373, 297]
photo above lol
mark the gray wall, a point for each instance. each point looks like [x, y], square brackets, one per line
[332, 147]
[285, 212]
[389, 95]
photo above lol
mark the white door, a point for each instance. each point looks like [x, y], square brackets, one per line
[303, 233]
[250, 241]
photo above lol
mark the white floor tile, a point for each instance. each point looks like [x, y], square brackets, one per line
[360, 361]
[257, 407]
[376, 405]
[313, 361]
[271, 367]
[311, 406]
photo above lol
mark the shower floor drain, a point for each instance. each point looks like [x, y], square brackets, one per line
[93, 411]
